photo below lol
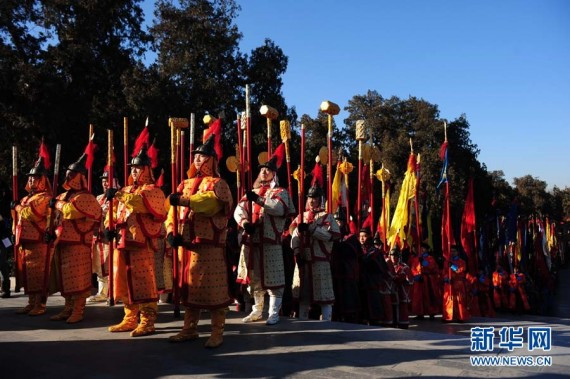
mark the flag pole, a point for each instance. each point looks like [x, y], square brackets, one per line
[360, 137]
[125, 150]
[89, 170]
[331, 109]
[110, 212]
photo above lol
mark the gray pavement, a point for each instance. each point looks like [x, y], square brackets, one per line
[37, 347]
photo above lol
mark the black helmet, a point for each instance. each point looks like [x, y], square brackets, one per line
[207, 148]
[142, 158]
[79, 166]
[38, 169]
[270, 164]
[315, 191]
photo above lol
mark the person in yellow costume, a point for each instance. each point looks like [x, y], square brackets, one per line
[29, 243]
[139, 216]
[77, 214]
[205, 205]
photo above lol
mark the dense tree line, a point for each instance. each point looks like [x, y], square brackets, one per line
[65, 64]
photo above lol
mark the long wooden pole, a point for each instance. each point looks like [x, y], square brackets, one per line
[239, 152]
[125, 151]
[15, 198]
[49, 228]
[384, 222]
[302, 189]
[329, 164]
[182, 153]
[89, 170]
[110, 212]
[248, 138]
[192, 130]
[173, 171]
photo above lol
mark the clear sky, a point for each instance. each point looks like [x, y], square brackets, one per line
[505, 64]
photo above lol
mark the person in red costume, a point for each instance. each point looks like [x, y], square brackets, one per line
[454, 297]
[426, 292]
[500, 288]
[517, 293]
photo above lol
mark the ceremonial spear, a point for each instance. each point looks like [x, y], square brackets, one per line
[285, 129]
[360, 137]
[15, 199]
[175, 125]
[270, 114]
[89, 169]
[110, 215]
[192, 127]
[383, 175]
[330, 109]
[125, 150]
[49, 244]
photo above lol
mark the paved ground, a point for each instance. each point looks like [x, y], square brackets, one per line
[38, 347]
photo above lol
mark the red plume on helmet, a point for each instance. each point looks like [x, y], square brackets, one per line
[317, 174]
[276, 159]
[215, 129]
[44, 153]
[142, 139]
[152, 153]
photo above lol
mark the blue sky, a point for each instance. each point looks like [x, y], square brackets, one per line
[505, 64]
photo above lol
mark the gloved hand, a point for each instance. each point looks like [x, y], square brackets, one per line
[482, 279]
[425, 262]
[251, 196]
[418, 278]
[174, 240]
[519, 278]
[52, 202]
[174, 199]
[49, 237]
[303, 227]
[110, 193]
[454, 267]
[13, 205]
[249, 228]
[110, 234]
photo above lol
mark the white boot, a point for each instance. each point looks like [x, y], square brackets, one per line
[274, 307]
[326, 312]
[303, 311]
[257, 309]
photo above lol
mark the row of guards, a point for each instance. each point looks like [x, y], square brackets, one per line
[396, 232]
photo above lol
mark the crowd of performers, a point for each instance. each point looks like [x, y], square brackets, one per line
[307, 265]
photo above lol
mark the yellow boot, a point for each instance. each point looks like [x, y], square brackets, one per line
[130, 320]
[148, 317]
[66, 312]
[29, 307]
[39, 306]
[218, 322]
[77, 311]
[188, 332]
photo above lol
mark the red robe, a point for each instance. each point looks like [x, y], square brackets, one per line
[454, 296]
[485, 302]
[425, 293]
[403, 281]
[500, 280]
[516, 291]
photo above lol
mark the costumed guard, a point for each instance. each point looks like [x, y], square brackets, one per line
[29, 243]
[261, 258]
[517, 293]
[426, 293]
[312, 281]
[485, 302]
[403, 283]
[500, 288]
[373, 273]
[205, 204]
[78, 213]
[139, 217]
[100, 247]
[472, 291]
[454, 296]
[345, 272]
